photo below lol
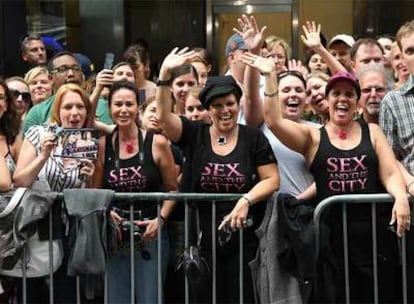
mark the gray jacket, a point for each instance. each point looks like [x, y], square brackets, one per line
[272, 284]
[20, 224]
[89, 241]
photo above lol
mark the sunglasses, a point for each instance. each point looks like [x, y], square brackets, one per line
[26, 97]
[295, 73]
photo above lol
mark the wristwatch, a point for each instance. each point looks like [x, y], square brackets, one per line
[160, 82]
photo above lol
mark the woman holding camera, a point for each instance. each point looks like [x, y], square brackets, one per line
[134, 160]
[71, 109]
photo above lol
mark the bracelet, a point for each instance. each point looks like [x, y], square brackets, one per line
[271, 94]
[160, 82]
[248, 199]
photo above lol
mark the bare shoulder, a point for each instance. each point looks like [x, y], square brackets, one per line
[160, 141]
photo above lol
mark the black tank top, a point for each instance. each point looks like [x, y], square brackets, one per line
[352, 171]
[134, 174]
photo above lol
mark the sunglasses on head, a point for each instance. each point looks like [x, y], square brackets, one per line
[25, 95]
[295, 73]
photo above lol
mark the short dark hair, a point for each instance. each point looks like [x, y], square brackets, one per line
[117, 85]
[25, 40]
[50, 64]
[364, 41]
[136, 52]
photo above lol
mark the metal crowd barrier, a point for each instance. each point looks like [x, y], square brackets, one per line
[158, 197]
[371, 199]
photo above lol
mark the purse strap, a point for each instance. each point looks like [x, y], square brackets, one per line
[199, 232]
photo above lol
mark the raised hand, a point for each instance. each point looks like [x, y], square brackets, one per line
[177, 58]
[311, 37]
[265, 65]
[104, 78]
[296, 65]
[253, 38]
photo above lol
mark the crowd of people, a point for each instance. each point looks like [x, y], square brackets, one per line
[272, 129]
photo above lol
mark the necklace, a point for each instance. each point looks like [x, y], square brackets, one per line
[343, 134]
[129, 146]
[223, 139]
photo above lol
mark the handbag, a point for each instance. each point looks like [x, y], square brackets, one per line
[193, 263]
[33, 253]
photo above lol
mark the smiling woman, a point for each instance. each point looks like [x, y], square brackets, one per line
[345, 156]
[40, 84]
[132, 159]
[21, 94]
[221, 157]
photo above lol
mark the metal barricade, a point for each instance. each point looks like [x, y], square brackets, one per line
[373, 200]
[158, 197]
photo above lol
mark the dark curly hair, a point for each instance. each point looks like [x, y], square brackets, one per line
[10, 121]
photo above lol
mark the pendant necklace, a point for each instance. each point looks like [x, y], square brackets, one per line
[129, 146]
[223, 139]
[343, 134]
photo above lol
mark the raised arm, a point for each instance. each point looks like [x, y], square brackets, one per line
[253, 102]
[312, 39]
[293, 135]
[170, 121]
[103, 78]
[392, 180]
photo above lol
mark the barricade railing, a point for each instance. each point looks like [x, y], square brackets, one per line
[158, 197]
[373, 200]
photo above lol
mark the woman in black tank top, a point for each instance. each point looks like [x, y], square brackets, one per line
[345, 156]
[134, 160]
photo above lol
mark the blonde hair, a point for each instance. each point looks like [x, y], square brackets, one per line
[273, 40]
[57, 104]
[405, 30]
[36, 71]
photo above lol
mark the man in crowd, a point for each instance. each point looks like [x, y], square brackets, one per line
[33, 50]
[364, 52]
[64, 69]
[339, 46]
[397, 121]
[373, 82]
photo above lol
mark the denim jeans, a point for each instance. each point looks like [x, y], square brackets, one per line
[146, 274]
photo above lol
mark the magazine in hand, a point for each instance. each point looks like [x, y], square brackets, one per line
[77, 143]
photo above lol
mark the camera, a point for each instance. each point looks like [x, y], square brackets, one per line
[138, 231]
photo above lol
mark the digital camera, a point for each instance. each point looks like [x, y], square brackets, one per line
[138, 231]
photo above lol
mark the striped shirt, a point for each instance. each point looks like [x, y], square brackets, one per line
[396, 118]
[53, 171]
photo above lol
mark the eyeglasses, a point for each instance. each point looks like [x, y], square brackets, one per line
[64, 69]
[368, 90]
[26, 97]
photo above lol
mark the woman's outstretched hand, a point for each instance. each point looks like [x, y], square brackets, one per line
[266, 66]
[252, 37]
[177, 58]
[311, 37]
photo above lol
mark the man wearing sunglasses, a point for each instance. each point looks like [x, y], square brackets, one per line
[64, 68]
